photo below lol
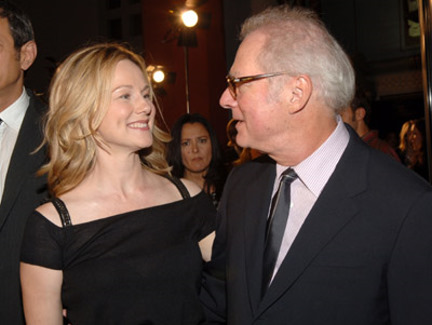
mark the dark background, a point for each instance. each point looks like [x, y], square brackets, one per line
[373, 32]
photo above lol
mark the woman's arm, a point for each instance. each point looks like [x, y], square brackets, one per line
[41, 288]
[206, 245]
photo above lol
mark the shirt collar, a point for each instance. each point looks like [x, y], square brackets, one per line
[14, 114]
[316, 170]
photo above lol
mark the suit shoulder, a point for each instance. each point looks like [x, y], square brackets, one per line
[37, 102]
[254, 166]
[395, 174]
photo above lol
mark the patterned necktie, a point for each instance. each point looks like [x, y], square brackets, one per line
[276, 224]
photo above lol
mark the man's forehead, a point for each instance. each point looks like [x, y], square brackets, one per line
[4, 26]
[3, 16]
[4, 20]
[247, 54]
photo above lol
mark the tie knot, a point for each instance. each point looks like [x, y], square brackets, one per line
[288, 176]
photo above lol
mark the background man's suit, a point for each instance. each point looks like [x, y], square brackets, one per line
[363, 255]
[23, 192]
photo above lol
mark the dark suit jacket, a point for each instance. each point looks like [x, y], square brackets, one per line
[22, 193]
[362, 257]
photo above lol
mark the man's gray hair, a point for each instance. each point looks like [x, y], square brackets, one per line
[298, 42]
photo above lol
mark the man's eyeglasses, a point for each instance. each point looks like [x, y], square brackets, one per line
[234, 83]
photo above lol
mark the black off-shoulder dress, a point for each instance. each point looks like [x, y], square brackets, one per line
[139, 267]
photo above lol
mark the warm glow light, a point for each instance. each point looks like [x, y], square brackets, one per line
[189, 18]
[158, 76]
[156, 73]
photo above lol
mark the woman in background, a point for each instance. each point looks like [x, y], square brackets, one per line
[118, 243]
[233, 150]
[411, 146]
[243, 154]
[194, 154]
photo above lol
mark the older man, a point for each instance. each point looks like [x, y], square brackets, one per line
[325, 229]
[20, 134]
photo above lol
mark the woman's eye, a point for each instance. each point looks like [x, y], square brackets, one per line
[203, 140]
[147, 96]
[185, 143]
[125, 96]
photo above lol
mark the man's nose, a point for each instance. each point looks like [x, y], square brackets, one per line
[226, 100]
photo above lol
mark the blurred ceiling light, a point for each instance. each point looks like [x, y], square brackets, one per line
[189, 18]
[158, 76]
[156, 73]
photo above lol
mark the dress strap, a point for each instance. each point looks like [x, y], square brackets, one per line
[62, 211]
[180, 186]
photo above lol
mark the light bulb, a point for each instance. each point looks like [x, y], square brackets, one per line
[189, 18]
[158, 76]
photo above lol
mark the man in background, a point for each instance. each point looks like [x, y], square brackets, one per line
[20, 134]
[357, 115]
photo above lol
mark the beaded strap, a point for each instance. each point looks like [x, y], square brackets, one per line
[180, 186]
[63, 212]
[65, 217]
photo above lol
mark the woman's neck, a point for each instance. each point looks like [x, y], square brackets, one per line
[116, 173]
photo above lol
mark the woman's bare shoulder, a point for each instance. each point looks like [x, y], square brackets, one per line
[48, 211]
[192, 187]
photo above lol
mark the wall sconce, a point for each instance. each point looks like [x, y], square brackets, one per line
[189, 18]
[156, 74]
[158, 77]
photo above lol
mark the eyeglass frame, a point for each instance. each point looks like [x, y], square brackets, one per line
[235, 83]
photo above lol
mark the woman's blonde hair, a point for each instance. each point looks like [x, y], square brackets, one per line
[78, 101]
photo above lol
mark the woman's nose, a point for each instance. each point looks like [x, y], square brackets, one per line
[144, 106]
[194, 147]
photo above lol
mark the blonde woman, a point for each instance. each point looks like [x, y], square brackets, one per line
[119, 242]
[411, 146]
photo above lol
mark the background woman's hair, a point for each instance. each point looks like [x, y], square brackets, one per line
[407, 128]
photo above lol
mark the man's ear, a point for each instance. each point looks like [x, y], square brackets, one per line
[28, 54]
[359, 113]
[301, 93]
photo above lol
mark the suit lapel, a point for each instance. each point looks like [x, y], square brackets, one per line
[23, 164]
[334, 208]
[259, 194]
